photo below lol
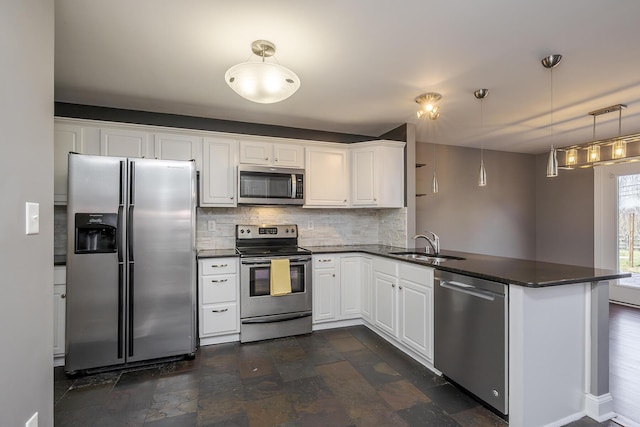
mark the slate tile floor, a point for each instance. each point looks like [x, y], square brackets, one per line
[339, 377]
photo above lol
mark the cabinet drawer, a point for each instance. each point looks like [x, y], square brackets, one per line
[324, 261]
[416, 274]
[386, 266]
[220, 319]
[218, 266]
[219, 288]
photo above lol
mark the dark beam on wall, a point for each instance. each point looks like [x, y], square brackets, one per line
[397, 134]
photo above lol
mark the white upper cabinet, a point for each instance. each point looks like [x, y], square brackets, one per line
[218, 176]
[125, 143]
[178, 147]
[272, 154]
[377, 174]
[327, 177]
[67, 138]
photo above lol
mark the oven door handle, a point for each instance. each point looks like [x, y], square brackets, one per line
[276, 318]
[264, 261]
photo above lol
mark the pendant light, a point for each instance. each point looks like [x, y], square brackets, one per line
[550, 62]
[434, 182]
[619, 149]
[481, 94]
[593, 152]
[260, 81]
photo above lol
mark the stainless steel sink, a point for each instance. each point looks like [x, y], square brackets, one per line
[421, 256]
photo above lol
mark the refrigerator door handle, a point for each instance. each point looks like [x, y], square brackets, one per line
[131, 312]
[132, 183]
[121, 186]
[121, 313]
[119, 233]
[130, 233]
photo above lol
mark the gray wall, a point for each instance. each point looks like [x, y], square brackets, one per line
[26, 153]
[498, 219]
[564, 215]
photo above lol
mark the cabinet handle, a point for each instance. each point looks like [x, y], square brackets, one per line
[63, 296]
[219, 281]
[218, 265]
[333, 275]
[220, 311]
[375, 200]
[393, 285]
[324, 260]
[345, 200]
[399, 287]
[266, 158]
[231, 197]
[276, 159]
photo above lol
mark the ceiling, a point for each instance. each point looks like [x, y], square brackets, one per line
[362, 63]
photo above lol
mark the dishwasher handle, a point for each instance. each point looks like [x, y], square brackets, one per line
[469, 290]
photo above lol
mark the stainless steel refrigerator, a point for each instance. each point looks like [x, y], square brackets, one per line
[131, 275]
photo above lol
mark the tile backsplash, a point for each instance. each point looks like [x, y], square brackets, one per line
[316, 227]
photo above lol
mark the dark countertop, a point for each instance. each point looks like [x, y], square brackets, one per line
[216, 253]
[499, 269]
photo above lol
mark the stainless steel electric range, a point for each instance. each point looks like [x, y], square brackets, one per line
[262, 315]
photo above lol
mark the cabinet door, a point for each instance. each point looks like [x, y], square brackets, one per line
[59, 313]
[256, 152]
[384, 288]
[124, 143]
[324, 294]
[389, 174]
[363, 177]
[350, 286]
[218, 176]
[66, 138]
[366, 280]
[415, 310]
[178, 147]
[288, 155]
[326, 175]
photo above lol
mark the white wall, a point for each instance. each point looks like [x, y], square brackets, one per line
[498, 219]
[26, 165]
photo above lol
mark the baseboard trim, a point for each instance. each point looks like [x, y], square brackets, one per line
[600, 408]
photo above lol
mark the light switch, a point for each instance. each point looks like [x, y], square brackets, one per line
[32, 218]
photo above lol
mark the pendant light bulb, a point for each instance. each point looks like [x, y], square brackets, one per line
[434, 184]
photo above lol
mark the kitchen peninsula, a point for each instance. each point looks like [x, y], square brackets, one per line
[557, 328]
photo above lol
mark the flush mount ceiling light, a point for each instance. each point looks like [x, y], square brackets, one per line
[481, 94]
[260, 81]
[428, 108]
[550, 62]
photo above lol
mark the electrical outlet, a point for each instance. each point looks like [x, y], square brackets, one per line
[211, 225]
[310, 225]
[33, 421]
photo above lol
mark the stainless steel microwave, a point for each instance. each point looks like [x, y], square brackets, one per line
[265, 185]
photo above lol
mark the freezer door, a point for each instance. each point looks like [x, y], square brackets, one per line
[161, 261]
[95, 279]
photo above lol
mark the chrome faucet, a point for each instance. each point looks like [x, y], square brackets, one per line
[433, 242]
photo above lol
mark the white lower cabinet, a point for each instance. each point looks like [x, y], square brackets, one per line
[59, 313]
[403, 304]
[336, 287]
[219, 319]
[366, 288]
[415, 308]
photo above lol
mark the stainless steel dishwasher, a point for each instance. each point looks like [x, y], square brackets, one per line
[471, 333]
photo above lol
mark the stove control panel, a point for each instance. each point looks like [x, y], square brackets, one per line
[266, 231]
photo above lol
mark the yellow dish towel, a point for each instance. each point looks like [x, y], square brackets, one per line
[280, 280]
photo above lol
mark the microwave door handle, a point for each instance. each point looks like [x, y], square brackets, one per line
[293, 185]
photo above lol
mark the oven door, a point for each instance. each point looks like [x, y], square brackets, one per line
[255, 297]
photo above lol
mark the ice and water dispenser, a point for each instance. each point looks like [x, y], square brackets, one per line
[96, 233]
